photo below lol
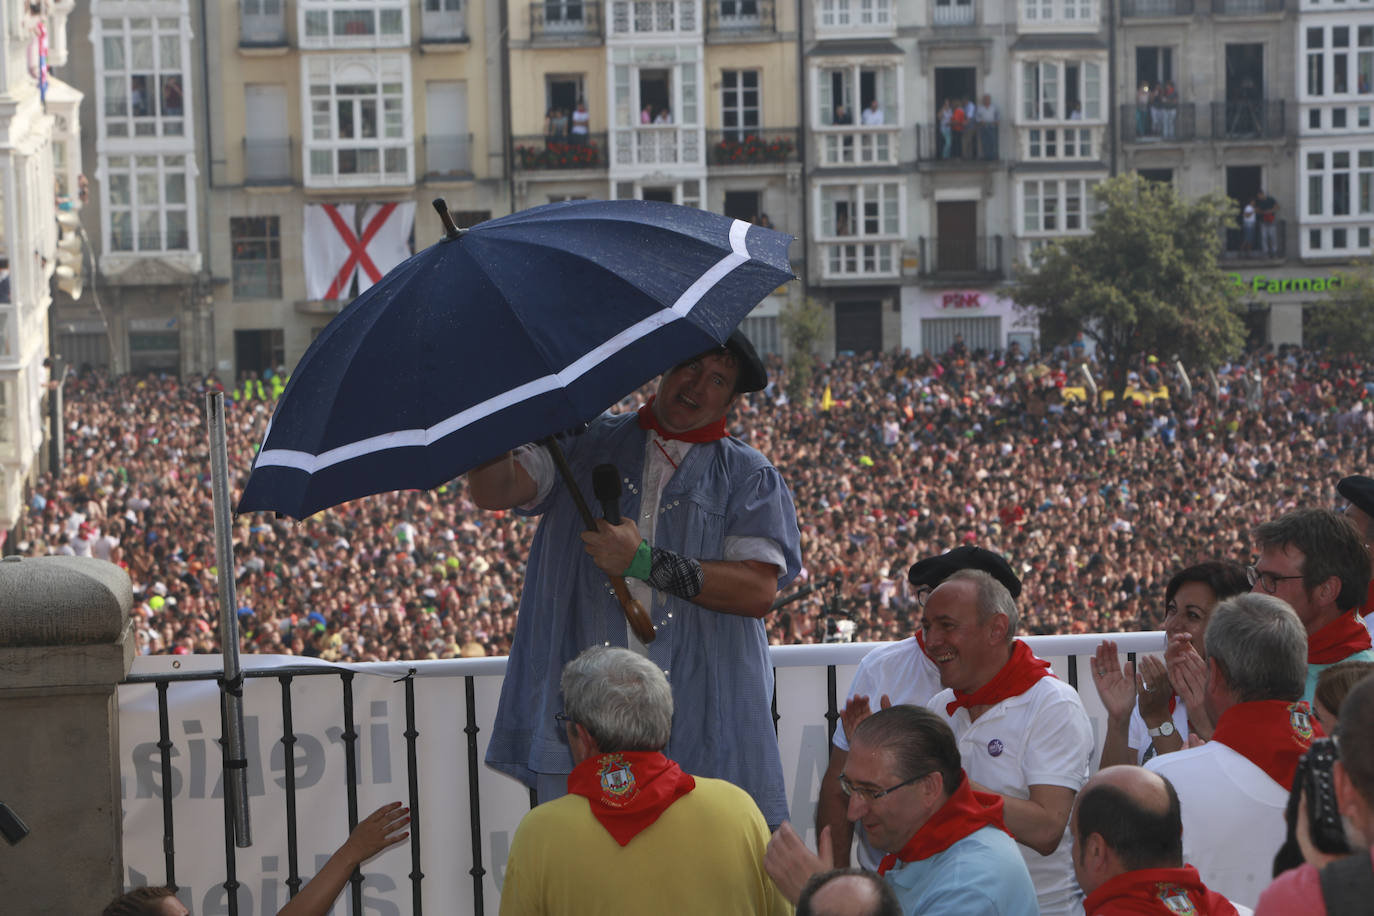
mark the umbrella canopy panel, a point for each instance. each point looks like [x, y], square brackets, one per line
[518, 328]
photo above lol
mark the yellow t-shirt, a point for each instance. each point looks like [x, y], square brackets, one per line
[703, 855]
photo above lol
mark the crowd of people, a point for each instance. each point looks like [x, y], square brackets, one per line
[889, 457]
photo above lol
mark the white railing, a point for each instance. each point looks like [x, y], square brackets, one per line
[954, 13]
[354, 732]
[654, 17]
[657, 145]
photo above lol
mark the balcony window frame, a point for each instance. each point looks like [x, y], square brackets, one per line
[133, 167]
[885, 238]
[311, 12]
[268, 242]
[1059, 15]
[161, 32]
[848, 17]
[389, 73]
[734, 96]
[1085, 209]
[1051, 71]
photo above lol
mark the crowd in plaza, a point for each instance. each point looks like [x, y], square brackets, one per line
[889, 457]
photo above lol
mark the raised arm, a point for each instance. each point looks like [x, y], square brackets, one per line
[374, 833]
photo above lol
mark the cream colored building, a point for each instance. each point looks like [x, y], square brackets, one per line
[40, 161]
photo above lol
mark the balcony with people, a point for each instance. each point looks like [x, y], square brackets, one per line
[560, 151]
[1157, 116]
[870, 136]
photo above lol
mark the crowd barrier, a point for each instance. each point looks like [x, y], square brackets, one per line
[328, 743]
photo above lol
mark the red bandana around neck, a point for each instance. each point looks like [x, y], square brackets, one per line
[628, 790]
[1271, 734]
[1017, 676]
[1166, 891]
[963, 813]
[708, 433]
[1338, 640]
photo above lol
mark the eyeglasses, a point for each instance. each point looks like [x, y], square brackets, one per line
[562, 718]
[872, 795]
[1266, 580]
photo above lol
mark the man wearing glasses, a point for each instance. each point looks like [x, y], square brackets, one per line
[896, 673]
[1315, 560]
[948, 852]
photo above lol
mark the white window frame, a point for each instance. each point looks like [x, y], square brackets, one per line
[1321, 63]
[1061, 143]
[1072, 197]
[388, 21]
[393, 149]
[163, 26]
[732, 99]
[647, 18]
[856, 17]
[140, 185]
[873, 249]
[1043, 100]
[1060, 15]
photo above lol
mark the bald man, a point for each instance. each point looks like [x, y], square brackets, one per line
[1128, 849]
[848, 892]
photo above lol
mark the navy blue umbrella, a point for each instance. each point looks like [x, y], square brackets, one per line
[502, 334]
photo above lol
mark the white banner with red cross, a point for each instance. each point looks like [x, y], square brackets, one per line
[335, 251]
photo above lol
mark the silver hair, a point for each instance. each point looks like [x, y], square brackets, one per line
[1261, 647]
[992, 598]
[621, 698]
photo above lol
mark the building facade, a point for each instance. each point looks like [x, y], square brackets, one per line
[40, 165]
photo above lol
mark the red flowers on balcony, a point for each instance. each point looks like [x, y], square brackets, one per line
[560, 155]
[752, 149]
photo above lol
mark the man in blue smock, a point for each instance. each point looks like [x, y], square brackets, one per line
[708, 536]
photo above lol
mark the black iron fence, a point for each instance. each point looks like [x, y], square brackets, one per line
[537, 153]
[1158, 123]
[566, 19]
[1263, 242]
[955, 258]
[753, 146]
[975, 143]
[738, 17]
[1246, 7]
[1257, 118]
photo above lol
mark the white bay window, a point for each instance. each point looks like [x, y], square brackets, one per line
[360, 127]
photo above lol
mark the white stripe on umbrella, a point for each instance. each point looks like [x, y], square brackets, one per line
[410, 438]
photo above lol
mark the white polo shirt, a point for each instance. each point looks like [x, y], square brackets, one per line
[1233, 817]
[903, 672]
[1039, 738]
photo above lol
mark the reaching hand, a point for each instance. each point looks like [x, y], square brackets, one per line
[1155, 689]
[1187, 671]
[856, 710]
[1115, 684]
[376, 832]
[790, 864]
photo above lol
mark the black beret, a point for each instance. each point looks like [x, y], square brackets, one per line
[933, 570]
[1360, 491]
[751, 376]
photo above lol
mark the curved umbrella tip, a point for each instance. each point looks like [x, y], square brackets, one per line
[451, 230]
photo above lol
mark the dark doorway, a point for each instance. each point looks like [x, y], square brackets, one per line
[1242, 184]
[1154, 66]
[1244, 73]
[564, 92]
[956, 240]
[653, 91]
[858, 327]
[955, 83]
[660, 194]
[745, 205]
[1163, 176]
[255, 351]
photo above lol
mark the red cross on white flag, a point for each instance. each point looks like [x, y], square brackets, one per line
[335, 253]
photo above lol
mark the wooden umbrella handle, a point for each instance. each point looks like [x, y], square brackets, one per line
[638, 618]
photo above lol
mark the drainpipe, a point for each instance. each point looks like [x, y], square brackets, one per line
[1111, 142]
[803, 140]
[507, 151]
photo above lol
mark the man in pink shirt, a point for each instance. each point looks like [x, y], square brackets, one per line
[1331, 884]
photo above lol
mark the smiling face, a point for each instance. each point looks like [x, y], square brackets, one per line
[892, 820]
[1286, 563]
[696, 393]
[1189, 610]
[968, 652]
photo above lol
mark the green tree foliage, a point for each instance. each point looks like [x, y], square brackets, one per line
[1145, 281]
[1345, 321]
[803, 323]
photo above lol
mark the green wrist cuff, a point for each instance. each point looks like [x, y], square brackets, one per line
[642, 564]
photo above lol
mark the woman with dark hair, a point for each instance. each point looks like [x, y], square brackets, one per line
[1155, 710]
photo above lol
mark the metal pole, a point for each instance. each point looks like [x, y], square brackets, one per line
[231, 687]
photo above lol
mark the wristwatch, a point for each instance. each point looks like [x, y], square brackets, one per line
[1166, 728]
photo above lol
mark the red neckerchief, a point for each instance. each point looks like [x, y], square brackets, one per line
[628, 790]
[1271, 734]
[708, 433]
[1337, 641]
[1017, 676]
[963, 813]
[1166, 891]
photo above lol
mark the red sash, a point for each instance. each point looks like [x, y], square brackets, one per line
[1271, 734]
[965, 812]
[1017, 676]
[628, 790]
[708, 433]
[1337, 641]
[1166, 891]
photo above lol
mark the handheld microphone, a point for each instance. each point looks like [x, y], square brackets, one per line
[606, 486]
